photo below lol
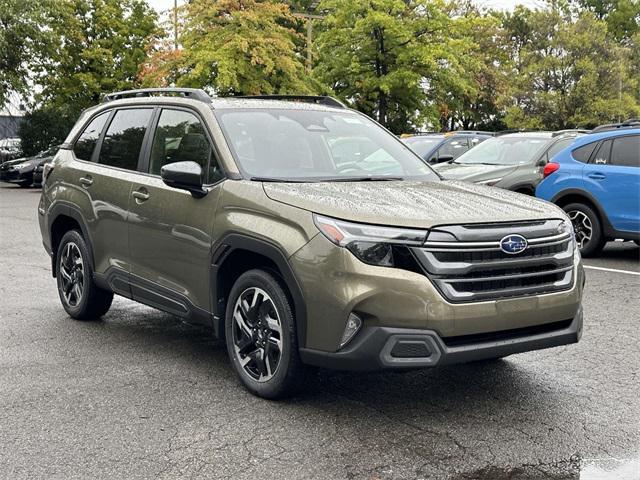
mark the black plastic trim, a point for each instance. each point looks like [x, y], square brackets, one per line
[369, 350]
[238, 241]
[63, 208]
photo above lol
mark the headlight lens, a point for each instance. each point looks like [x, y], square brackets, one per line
[370, 243]
[20, 166]
[567, 227]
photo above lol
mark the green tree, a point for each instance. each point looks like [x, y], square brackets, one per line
[622, 16]
[569, 72]
[42, 128]
[388, 58]
[22, 41]
[472, 100]
[233, 47]
[99, 46]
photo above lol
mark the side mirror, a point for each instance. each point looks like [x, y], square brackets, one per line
[184, 175]
[542, 162]
[445, 158]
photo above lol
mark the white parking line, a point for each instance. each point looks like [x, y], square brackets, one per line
[612, 270]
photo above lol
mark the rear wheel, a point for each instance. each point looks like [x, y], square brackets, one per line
[80, 296]
[261, 337]
[587, 227]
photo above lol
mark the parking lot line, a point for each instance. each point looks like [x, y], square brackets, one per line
[612, 270]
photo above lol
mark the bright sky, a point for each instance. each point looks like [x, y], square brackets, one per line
[162, 5]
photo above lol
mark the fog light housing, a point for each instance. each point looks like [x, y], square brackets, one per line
[353, 325]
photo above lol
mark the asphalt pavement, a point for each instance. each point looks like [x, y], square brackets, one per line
[141, 395]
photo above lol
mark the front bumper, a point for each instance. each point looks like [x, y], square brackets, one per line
[384, 348]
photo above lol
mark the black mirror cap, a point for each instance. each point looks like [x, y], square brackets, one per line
[445, 158]
[184, 175]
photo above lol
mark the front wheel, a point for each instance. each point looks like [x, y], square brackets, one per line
[261, 337]
[587, 228]
[80, 296]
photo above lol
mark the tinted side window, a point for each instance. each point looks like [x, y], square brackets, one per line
[583, 153]
[602, 155]
[123, 140]
[180, 137]
[86, 143]
[626, 151]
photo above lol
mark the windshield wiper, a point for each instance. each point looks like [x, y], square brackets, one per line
[324, 179]
[363, 179]
[279, 180]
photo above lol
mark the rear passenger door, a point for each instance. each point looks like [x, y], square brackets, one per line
[170, 231]
[613, 178]
[106, 154]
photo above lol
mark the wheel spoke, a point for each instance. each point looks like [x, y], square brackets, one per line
[242, 324]
[274, 325]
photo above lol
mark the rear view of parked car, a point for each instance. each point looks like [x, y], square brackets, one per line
[597, 182]
[513, 161]
[444, 147]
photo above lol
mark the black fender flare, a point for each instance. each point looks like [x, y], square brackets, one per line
[239, 241]
[607, 228]
[69, 210]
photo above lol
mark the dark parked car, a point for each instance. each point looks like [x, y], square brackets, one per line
[10, 149]
[23, 171]
[513, 161]
[444, 147]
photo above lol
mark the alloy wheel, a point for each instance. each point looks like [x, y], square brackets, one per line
[72, 274]
[582, 227]
[257, 334]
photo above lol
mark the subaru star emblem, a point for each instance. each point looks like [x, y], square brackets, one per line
[513, 244]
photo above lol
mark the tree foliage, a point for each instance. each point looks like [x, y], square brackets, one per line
[569, 71]
[387, 58]
[99, 45]
[234, 47]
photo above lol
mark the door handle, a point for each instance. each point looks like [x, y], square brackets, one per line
[86, 181]
[140, 195]
[597, 176]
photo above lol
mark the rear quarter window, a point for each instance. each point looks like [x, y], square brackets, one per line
[626, 151]
[583, 153]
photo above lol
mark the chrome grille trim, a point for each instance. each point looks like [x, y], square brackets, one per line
[469, 270]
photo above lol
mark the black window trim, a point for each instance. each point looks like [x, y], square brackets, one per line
[613, 139]
[597, 150]
[72, 144]
[143, 164]
[96, 153]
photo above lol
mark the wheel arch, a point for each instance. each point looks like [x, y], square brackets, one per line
[62, 218]
[237, 253]
[566, 197]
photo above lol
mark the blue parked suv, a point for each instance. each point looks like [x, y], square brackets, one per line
[597, 182]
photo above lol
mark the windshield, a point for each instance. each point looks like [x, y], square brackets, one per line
[423, 145]
[308, 145]
[504, 151]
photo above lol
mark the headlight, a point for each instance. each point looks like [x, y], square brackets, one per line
[20, 166]
[490, 182]
[370, 243]
[567, 227]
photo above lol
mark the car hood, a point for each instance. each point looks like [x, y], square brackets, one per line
[412, 204]
[473, 173]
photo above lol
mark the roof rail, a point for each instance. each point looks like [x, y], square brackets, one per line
[317, 99]
[631, 123]
[193, 93]
[569, 130]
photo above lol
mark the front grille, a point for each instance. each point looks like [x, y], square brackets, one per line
[465, 269]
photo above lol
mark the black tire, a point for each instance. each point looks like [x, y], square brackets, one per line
[88, 302]
[596, 242]
[278, 374]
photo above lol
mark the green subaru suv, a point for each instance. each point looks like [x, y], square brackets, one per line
[303, 234]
